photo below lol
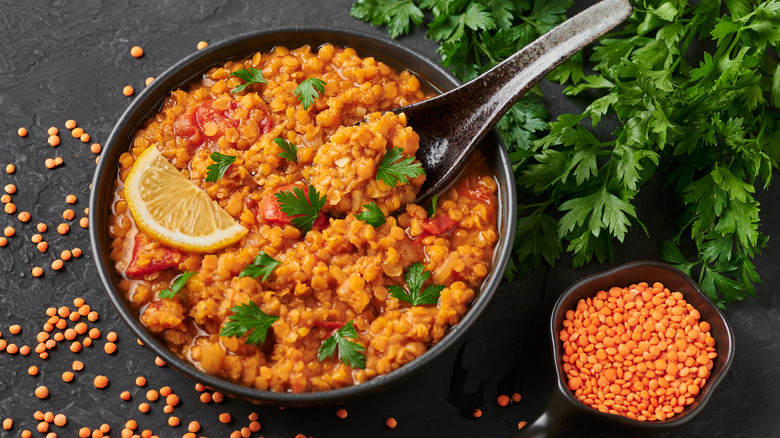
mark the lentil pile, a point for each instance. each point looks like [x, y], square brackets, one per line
[641, 351]
[341, 271]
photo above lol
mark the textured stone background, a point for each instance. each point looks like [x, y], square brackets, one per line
[70, 59]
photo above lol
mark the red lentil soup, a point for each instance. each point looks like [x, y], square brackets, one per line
[339, 271]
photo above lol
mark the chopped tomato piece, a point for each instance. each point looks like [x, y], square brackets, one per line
[438, 225]
[266, 124]
[329, 324]
[150, 256]
[191, 123]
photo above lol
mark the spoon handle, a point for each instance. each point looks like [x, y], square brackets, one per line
[496, 90]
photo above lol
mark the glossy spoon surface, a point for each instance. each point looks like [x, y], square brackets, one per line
[452, 124]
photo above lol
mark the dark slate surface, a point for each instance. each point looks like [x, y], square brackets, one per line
[61, 60]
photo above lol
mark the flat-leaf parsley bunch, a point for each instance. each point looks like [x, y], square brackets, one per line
[695, 89]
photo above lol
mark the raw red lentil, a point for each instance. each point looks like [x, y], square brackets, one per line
[9, 231]
[63, 228]
[144, 407]
[53, 131]
[22, 132]
[125, 395]
[75, 346]
[168, 409]
[391, 423]
[24, 350]
[10, 208]
[76, 252]
[254, 426]
[33, 370]
[3, 241]
[172, 400]
[136, 52]
[127, 91]
[57, 264]
[93, 316]
[77, 132]
[109, 348]
[70, 124]
[225, 418]
[152, 395]
[84, 138]
[202, 45]
[60, 420]
[58, 161]
[149, 81]
[41, 392]
[159, 362]
[194, 427]
[15, 329]
[217, 397]
[516, 397]
[41, 227]
[10, 168]
[24, 216]
[95, 148]
[521, 424]
[12, 349]
[77, 365]
[8, 423]
[205, 397]
[165, 391]
[5, 199]
[36, 238]
[68, 214]
[10, 189]
[111, 337]
[173, 421]
[54, 141]
[101, 382]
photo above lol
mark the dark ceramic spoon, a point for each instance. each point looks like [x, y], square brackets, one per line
[563, 410]
[450, 125]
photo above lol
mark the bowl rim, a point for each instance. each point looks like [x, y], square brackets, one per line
[149, 101]
[704, 397]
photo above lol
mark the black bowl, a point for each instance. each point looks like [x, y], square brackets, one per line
[563, 409]
[189, 69]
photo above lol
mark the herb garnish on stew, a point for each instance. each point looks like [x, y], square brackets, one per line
[372, 215]
[391, 170]
[262, 265]
[289, 150]
[249, 76]
[248, 318]
[415, 276]
[221, 164]
[349, 351]
[302, 211]
[309, 90]
[177, 285]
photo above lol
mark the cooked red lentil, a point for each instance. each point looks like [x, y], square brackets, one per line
[341, 269]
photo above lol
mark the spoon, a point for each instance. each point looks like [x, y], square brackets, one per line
[451, 125]
[564, 412]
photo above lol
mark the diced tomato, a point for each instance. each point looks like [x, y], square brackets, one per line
[470, 188]
[266, 124]
[438, 225]
[160, 257]
[272, 211]
[190, 124]
[329, 324]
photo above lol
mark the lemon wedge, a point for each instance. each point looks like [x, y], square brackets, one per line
[171, 209]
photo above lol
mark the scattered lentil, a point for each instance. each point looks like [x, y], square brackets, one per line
[101, 382]
[225, 418]
[54, 141]
[109, 348]
[95, 148]
[3, 241]
[136, 52]
[42, 247]
[77, 365]
[84, 138]
[60, 420]
[41, 392]
[144, 407]
[205, 397]
[77, 132]
[15, 329]
[70, 124]
[57, 264]
[172, 400]
[477, 413]
[173, 421]
[24, 216]
[10, 208]
[10, 168]
[391, 423]
[202, 45]
[58, 161]
[521, 424]
[149, 81]
[125, 395]
[53, 131]
[159, 362]
[152, 395]
[22, 132]
[127, 91]
[10, 189]
[217, 397]
[5, 199]
[33, 370]
[9, 231]
[76, 252]
[68, 214]
[8, 423]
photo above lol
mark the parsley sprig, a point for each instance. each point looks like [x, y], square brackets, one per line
[372, 215]
[391, 170]
[432, 209]
[349, 351]
[415, 277]
[221, 164]
[177, 285]
[248, 318]
[303, 211]
[700, 119]
[263, 264]
[249, 76]
[309, 90]
[289, 150]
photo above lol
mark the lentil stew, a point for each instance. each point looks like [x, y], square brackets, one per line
[341, 270]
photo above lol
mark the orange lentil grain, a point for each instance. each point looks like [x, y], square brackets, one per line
[194, 427]
[140, 381]
[3, 241]
[144, 407]
[54, 141]
[10, 208]
[42, 247]
[41, 392]
[205, 397]
[105, 428]
[521, 424]
[12, 349]
[22, 132]
[63, 228]
[391, 423]
[159, 362]
[43, 427]
[36, 238]
[77, 132]
[476, 413]
[202, 45]
[75, 346]
[51, 343]
[131, 424]
[77, 365]
[3, 344]
[172, 400]
[9, 231]
[125, 395]
[63, 311]
[199, 387]
[38, 415]
[74, 316]
[37, 271]
[225, 418]
[58, 161]
[44, 355]
[101, 382]
[10, 168]
[152, 395]
[516, 397]
[5, 199]
[33, 370]
[68, 214]
[93, 316]
[40, 348]
[76, 252]
[254, 426]
[53, 131]
[67, 376]
[15, 329]
[57, 264]
[60, 325]
[149, 81]
[70, 124]
[136, 52]
[217, 397]
[168, 409]
[85, 309]
[85, 432]
[24, 216]
[78, 302]
[24, 350]
[84, 138]
[48, 417]
[502, 400]
[41, 227]
[253, 416]
[70, 199]
[165, 391]
[300, 435]
[173, 421]
[95, 148]
[87, 342]
[8, 423]
[60, 420]
[111, 337]
[97, 433]
[109, 348]
[10, 189]
[127, 91]
[42, 337]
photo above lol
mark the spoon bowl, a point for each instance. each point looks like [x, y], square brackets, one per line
[451, 125]
[563, 409]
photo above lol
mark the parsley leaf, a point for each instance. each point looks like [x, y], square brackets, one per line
[248, 318]
[391, 170]
[432, 208]
[349, 351]
[396, 14]
[221, 164]
[177, 285]
[289, 150]
[303, 211]
[415, 276]
[309, 90]
[372, 215]
[249, 76]
[262, 265]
